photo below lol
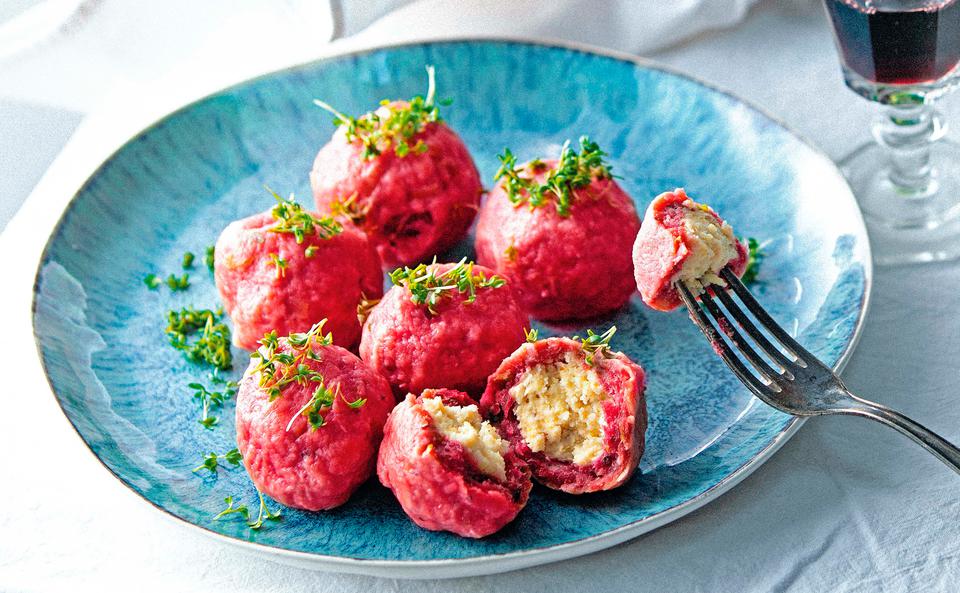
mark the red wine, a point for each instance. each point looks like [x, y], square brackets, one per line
[905, 46]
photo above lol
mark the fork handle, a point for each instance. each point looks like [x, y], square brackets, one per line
[929, 440]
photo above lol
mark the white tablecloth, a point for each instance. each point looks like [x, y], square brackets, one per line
[845, 506]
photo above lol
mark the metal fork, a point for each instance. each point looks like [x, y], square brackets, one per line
[790, 379]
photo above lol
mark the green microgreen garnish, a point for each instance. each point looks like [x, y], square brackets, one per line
[357, 403]
[213, 344]
[322, 399]
[427, 287]
[349, 209]
[212, 399]
[242, 510]
[280, 263]
[393, 124]
[597, 344]
[187, 262]
[152, 281]
[278, 369]
[293, 219]
[208, 257]
[532, 335]
[211, 461]
[364, 307]
[178, 283]
[755, 257]
[216, 379]
[573, 171]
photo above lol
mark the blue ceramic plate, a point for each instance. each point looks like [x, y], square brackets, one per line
[175, 185]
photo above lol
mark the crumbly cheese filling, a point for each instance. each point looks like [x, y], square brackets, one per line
[559, 410]
[712, 245]
[464, 425]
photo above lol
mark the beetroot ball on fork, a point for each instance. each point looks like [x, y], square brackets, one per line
[682, 241]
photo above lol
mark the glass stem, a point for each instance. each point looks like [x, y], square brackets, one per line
[907, 132]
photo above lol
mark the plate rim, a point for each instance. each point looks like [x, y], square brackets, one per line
[504, 561]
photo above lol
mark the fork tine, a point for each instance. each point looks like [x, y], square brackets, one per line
[759, 339]
[721, 346]
[730, 331]
[790, 344]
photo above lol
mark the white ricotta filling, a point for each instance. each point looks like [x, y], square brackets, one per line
[464, 425]
[559, 410]
[712, 245]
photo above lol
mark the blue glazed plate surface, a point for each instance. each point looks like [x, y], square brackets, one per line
[175, 185]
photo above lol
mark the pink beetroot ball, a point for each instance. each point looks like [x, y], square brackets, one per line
[295, 463]
[682, 241]
[571, 266]
[435, 475]
[455, 346]
[577, 418]
[321, 278]
[413, 206]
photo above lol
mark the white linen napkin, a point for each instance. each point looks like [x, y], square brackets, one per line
[73, 54]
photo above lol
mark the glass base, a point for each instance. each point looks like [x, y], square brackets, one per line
[908, 225]
[900, 94]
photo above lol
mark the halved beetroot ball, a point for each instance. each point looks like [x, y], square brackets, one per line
[403, 176]
[576, 414]
[449, 469]
[442, 325]
[567, 258]
[682, 241]
[309, 444]
[286, 270]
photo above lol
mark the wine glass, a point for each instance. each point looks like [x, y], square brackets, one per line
[903, 54]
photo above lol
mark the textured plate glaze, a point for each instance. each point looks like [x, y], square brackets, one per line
[175, 185]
